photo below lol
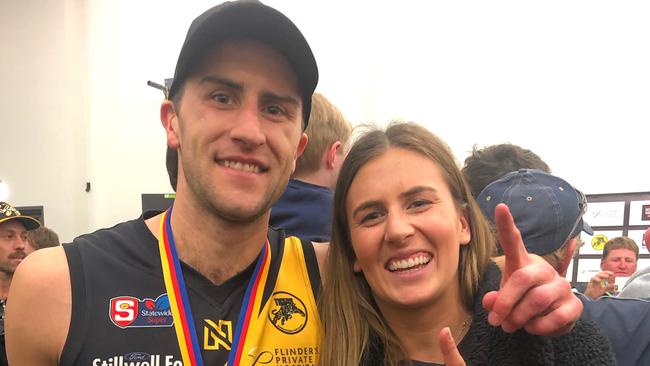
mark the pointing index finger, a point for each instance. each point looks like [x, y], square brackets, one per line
[510, 240]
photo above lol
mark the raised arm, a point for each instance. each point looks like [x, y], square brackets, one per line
[38, 309]
[532, 294]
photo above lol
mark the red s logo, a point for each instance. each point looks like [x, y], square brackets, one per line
[124, 310]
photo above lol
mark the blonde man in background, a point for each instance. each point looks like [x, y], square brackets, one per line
[620, 256]
[638, 286]
[305, 208]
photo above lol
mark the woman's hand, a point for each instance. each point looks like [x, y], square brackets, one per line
[450, 354]
[532, 294]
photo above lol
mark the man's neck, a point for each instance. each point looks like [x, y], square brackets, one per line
[216, 248]
[5, 282]
[319, 178]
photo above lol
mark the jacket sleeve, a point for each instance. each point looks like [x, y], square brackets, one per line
[625, 322]
[638, 286]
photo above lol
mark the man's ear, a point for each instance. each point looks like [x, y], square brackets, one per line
[332, 154]
[302, 144]
[299, 150]
[169, 120]
[569, 252]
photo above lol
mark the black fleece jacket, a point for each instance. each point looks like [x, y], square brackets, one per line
[484, 344]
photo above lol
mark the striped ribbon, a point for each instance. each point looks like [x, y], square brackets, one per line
[250, 306]
[180, 305]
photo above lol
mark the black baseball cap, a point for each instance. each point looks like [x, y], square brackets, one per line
[8, 212]
[252, 20]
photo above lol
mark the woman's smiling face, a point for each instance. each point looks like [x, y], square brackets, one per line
[405, 228]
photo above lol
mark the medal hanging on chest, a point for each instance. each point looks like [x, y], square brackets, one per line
[180, 303]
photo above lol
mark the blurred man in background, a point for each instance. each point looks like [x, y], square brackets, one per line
[620, 256]
[43, 237]
[14, 247]
[305, 208]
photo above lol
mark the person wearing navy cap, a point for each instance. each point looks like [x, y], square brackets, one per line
[547, 210]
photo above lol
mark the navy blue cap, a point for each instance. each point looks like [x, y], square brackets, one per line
[249, 19]
[547, 210]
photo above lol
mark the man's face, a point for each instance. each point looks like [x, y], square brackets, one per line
[14, 246]
[238, 130]
[620, 261]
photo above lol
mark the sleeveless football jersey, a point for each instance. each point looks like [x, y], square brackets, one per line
[121, 313]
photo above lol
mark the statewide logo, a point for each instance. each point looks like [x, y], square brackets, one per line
[217, 336]
[288, 313]
[131, 312]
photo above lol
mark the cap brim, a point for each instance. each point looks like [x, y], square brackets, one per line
[29, 222]
[586, 228]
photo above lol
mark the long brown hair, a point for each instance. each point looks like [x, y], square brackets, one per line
[353, 323]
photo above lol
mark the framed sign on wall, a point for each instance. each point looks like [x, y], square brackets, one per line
[611, 215]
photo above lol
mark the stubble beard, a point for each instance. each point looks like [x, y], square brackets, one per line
[206, 195]
[7, 269]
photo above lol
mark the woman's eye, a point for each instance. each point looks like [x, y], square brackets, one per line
[419, 204]
[371, 218]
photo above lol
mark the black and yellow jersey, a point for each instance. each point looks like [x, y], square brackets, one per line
[121, 314]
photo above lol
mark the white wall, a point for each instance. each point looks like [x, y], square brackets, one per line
[44, 109]
[567, 79]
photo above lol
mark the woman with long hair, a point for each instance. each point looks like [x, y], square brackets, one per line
[409, 266]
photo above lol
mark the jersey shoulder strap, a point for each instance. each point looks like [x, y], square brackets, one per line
[287, 329]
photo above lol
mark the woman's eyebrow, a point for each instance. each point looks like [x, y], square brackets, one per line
[364, 206]
[418, 189]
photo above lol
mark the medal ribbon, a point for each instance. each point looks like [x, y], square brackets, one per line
[180, 305]
[178, 300]
[251, 305]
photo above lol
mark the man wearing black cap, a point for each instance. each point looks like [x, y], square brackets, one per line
[207, 282]
[14, 244]
[14, 247]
